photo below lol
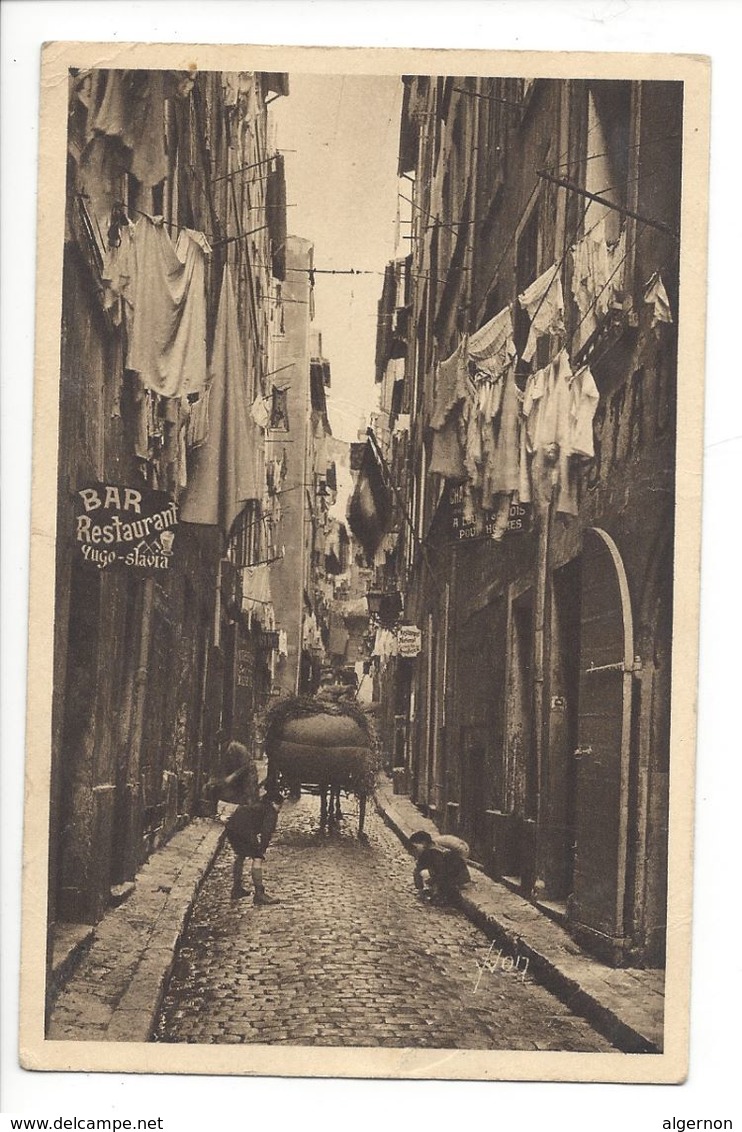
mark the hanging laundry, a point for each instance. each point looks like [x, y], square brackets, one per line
[257, 600]
[149, 163]
[108, 106]
[333, 552]
[501, 447]
[339, 637]
[185, 417]
[492, 347]
[198, 422]
[279, 416]
[223, 474]
[448, 448]
[370, 506]
[116, 276]
[524, 474]
[597, 278]
[489, 390]
[385, 646]
[656, 296]
[583, 404]
[283, 643]
[236, 85]
[260, 412]
[453, 389]
[364, 681]
[143, 421]
[589, 276]
[531, 407]
[473, 440]
[129, 106]
[543, 302]
[170, 417]
[550, 433]
[401, 424]
[167, 344]
[311, 635]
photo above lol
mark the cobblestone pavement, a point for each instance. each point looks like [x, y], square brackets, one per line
[350, 957]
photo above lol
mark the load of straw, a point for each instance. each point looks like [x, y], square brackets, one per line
[311, 742]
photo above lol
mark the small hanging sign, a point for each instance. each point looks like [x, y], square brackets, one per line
[409, 640]
[125, 526]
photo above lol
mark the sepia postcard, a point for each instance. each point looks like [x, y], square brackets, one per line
[364, 562]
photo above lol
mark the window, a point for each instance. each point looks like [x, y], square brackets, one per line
[246, 546]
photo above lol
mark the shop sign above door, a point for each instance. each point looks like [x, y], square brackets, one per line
[475, 523]
[125, 526]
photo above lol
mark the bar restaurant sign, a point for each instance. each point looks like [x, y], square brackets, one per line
[125, 526]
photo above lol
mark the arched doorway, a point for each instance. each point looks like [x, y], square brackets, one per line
[597, 908]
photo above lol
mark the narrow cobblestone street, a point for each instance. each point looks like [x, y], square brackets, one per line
[350, 957]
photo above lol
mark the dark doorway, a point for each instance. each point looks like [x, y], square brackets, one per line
[78, 745]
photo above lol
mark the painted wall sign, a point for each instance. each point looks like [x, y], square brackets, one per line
[474, 523]
[125, 526]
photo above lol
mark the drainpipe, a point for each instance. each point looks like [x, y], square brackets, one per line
[137, 725]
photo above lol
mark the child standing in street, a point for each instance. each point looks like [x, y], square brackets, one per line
[249, 832]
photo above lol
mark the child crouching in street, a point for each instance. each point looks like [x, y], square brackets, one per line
[440, 870]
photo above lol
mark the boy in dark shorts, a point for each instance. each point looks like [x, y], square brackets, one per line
[440, 872]
[249, 831]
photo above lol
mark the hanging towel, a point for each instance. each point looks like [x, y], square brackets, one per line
[167, 344]
[223, 473]
[543, 302]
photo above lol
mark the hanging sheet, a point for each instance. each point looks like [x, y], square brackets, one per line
[223, 476]
[167, 342]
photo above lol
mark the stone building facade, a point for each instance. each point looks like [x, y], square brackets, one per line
[533, 428]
